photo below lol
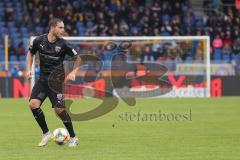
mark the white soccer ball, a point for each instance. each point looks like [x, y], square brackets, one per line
[61, 136]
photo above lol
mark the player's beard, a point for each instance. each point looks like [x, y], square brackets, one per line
[64, 34]
[57, 34]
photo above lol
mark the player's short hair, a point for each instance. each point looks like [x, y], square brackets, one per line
[53, 22]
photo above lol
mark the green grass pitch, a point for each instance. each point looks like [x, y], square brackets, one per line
[211, 133]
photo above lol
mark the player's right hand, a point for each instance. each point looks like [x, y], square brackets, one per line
[29, 74]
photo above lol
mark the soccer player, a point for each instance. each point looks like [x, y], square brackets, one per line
[52, 50]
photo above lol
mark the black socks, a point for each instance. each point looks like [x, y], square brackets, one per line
[67, 122]
[40, 118]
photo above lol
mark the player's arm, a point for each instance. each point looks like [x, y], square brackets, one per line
[76, 61]
[76, 64]
[29, 60]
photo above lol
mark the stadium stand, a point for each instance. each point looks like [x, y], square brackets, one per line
[21, 19]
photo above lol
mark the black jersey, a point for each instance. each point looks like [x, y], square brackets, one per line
[51, 54]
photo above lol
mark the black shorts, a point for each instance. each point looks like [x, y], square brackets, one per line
[54, 91]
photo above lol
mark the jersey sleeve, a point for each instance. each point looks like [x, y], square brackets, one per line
[69, 50]
[33, 48]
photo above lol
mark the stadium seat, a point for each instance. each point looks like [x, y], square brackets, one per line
[226, 57]
[9, 4]
[22, 58]
[1, 53]
[22, 66]
[217, 54]
[165, 34]
[236, 57]
[1, 56]
[18, 4]
[2, 24]
[25, 35]
[79, 24]
[1, 14]
[38, 29]
[13, 30]
[81, 32]
[188, 59]
[89, 24]
[2, 9]
[13, 58]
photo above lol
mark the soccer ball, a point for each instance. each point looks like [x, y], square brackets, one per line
[61, 136]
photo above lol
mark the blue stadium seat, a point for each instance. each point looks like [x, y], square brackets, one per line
[236, 57]
[18, 4]
[25, 35]
[38, 29]
[9, 4]
[166, 17]
[11, 24]
[2, 28]
[217, 54]
[2, 23]
[22, 58]
[2, 9]
[165, 34]
[13, 58]
[1, 56]
[89, 24]
[226, 57]
[80, 29]
[16, 42]
[1, 53]
[24, 29]
[189, 59]
[79, 24]
[22, 66]
[200, 24]
[1, 14]
[13, 30]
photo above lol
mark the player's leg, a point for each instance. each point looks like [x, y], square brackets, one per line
[62, 113]
[57, 101]
[36, 99]
[38, 114]
[64, 116]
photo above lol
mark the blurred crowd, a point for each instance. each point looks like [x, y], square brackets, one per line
[127, 18]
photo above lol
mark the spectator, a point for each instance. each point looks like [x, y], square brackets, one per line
[217, 42]
[147, 54]
[12, 50]
[21, 49]
[15, 71]
[131, 18]
[227, 51]
[236, 49]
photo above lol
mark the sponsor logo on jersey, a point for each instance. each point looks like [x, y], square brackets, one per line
[57, 49]
[60, 96]
[41, 46]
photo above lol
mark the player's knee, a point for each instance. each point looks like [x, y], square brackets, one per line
[59, 110]
[34, 104]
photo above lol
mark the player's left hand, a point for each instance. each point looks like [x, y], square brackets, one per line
[71, 77]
